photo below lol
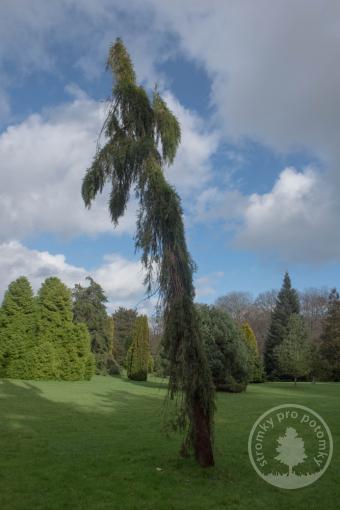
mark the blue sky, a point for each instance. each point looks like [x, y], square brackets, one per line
[258, 168]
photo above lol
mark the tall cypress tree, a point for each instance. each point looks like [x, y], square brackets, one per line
[89, 308]
[141, 138]
[138, 355]
[17, 329]
[71, 342]
[287, 303]
[330, 339]
[256, 362]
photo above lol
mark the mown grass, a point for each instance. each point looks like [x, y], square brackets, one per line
[100, 445]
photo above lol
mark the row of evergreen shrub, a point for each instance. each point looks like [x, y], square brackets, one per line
[38, 338]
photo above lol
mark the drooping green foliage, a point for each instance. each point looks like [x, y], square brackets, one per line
[17, 330]
[55, 326]
[287, 303]
[256, 362]
[89, 308]
[330, 339]
[138, 357]
[228, 356]
[135, 129]
[294, 355]
[124, 320]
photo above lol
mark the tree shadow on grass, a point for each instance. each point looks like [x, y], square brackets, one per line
[162, 385]
[64, 455]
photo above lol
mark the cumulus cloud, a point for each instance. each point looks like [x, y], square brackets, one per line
[296, 220]
[44, 158]
[274, 79]
[192, 168]
[121, 279]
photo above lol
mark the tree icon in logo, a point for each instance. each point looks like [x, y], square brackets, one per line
[291, 449]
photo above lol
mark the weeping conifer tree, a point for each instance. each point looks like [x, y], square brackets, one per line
[141, 138]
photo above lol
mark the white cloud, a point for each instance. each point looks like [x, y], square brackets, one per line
[43, 161]
[214, 204]
[296, 220]
[275, 79]
[121, 279]
[192, 168]
[206, 285]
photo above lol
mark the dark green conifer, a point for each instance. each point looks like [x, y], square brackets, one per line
[141, 138]
[89, 308]
[294, 354]
[17, 330]
[124, 320]
[138, 356]
[330, 339]
[71, 342]
[287, 303]
[227, 353]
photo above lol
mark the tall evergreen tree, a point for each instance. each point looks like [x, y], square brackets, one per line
[287, 303]
[138, 356]
[71, 342]
[124, 320]
[17, 329]
[330, 339]
[89, 308]
[294, 354]
[141, 139]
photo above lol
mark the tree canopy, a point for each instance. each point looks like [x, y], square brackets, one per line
[89, 307]
[228, 356]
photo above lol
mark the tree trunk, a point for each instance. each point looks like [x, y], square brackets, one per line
[202, 440]
[290, 472]
[295, 382]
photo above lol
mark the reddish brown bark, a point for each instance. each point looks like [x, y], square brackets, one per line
[202, 440]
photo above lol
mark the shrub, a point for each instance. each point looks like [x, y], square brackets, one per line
[227, 353]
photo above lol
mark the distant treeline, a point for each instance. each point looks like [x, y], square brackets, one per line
[68, 334]
[298, 333]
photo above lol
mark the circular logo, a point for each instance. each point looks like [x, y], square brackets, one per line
[290, 446]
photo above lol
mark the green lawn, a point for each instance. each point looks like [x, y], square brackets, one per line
[97, 445]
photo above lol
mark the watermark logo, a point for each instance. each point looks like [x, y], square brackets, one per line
[290, 446]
